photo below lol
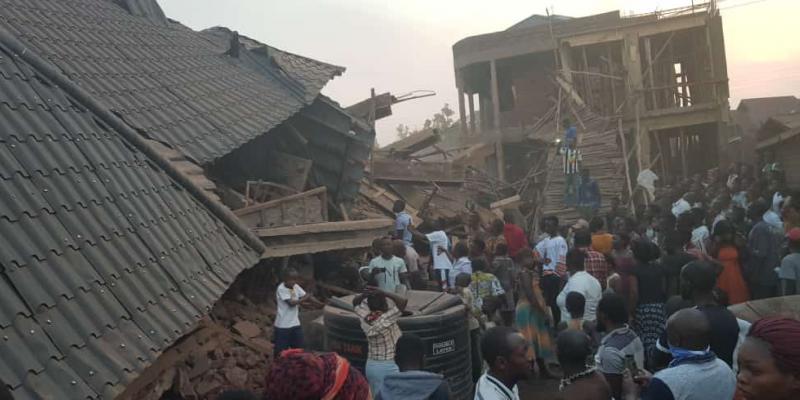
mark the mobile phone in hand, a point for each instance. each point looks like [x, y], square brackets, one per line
[630, 365]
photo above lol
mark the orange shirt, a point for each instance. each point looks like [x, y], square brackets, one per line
[603, 243]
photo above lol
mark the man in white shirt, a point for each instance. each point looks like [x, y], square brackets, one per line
[682, 205]
[505, 351]
[289, 295]
[440, 244]
[462, 264]
[386, 271]
[580, 281]
[552, 249]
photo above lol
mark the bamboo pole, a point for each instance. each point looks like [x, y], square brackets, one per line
[627, 168]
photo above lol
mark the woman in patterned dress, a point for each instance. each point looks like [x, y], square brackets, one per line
[533, 316]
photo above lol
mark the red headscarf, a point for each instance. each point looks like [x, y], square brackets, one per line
[301, 375]
[783, 336]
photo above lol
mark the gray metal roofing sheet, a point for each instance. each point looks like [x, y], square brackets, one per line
[105, 260]
[159, 76]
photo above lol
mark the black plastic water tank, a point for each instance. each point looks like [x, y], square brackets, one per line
[438, 318]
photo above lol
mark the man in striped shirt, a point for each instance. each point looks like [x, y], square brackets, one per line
[506, 352]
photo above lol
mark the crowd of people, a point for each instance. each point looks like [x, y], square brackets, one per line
[627, 305]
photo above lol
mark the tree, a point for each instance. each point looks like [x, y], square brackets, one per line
[403, 131]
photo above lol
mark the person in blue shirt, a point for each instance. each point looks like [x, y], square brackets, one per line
[403, 224]
[589, 199]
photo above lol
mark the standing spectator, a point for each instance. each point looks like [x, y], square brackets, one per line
[411, 258]
[764, 243]
[698, 280]
[387, 271]
[623, 282]
[474, 228]
[695, 373]
[602, 241]
[507, 273]
[514, 235]
[683, 204]
[505, 351]
[289, 295]
[649, 318]
[412, 382]
[728, 254]
[674, 259]
[551, 249]
[440, 244]
[619, 342]
[769, 361]
[790, 213]
[486, 288]
[533, 319]
[572, 159]
[403, 223]
[582, 282]
[589, 199]
[580, 382]
[379, 322]
[463, 287]
[496, 236]
[595, 263]
[700, 232]
[614, 212]
[461, 263]
[790, 265]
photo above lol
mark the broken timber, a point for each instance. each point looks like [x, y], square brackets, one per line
[303, 208]
[326, 236]
[406, 147]
[415, 171]
[385, 200]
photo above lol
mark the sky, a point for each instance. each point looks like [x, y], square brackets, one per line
[405, 45]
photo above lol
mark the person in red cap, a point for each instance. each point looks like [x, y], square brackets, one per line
[789, 271]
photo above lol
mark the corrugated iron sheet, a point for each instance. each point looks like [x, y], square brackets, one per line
[105, 261]
[173, 84]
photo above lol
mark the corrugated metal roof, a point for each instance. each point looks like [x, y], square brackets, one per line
[171, 83]
[312, 74]
[105, 260]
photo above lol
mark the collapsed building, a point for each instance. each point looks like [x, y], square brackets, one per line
[148, 168]
[656, 86]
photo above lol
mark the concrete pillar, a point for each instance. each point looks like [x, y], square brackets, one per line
[471, 98]
[462, 112]
[501, 160]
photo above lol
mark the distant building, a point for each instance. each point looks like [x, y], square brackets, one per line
[663, 73]
[779, 142]
[748, 119]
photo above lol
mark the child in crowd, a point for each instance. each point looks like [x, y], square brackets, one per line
[507, 273]
[486, 288]
[463, 282]
[288, 333]
[576, 305]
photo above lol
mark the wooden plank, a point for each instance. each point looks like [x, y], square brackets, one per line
[303, 208]
[288, 241]
[385, 200]
[323, 228]
[416, 171]
[411, 144]
[509, 202]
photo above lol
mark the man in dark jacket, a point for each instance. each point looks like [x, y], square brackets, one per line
[412, 383]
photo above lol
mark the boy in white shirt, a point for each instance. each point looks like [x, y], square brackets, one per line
[288, 333]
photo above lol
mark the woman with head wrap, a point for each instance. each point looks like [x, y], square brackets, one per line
[769, 361]
[300, 375]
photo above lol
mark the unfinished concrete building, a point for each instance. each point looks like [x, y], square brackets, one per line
[664, 74]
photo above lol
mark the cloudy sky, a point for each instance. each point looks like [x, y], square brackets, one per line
[405, 45]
